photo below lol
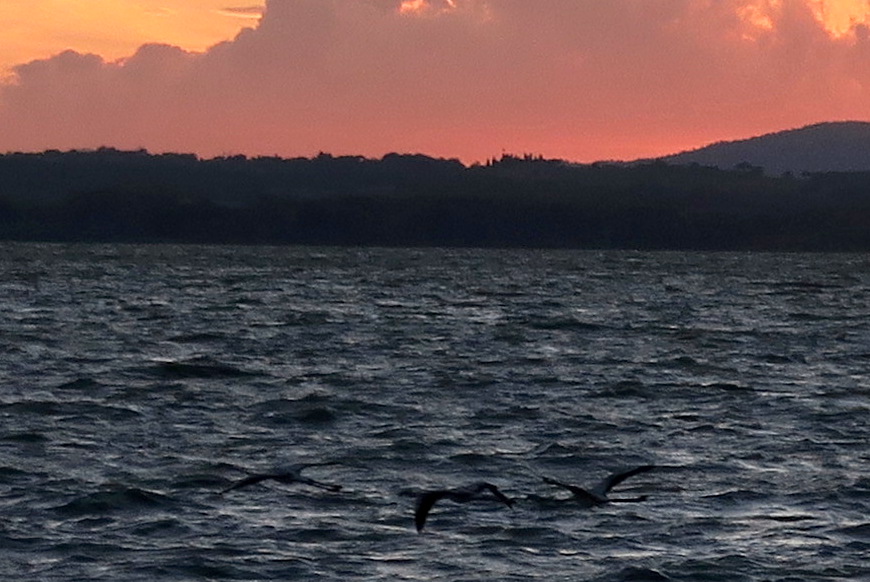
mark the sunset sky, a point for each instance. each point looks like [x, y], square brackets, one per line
[582, 80]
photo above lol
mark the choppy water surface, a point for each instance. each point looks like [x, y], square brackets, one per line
[138, 382]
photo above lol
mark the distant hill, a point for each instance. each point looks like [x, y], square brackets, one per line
[823, 147]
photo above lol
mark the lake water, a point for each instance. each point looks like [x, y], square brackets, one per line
[137, 382]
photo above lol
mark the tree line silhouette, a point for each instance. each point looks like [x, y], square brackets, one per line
[107, 195]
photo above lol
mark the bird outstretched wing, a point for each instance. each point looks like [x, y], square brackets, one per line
[251, 480]
[424, 504]
[319, 484]
[291, 475]
[498, 494]
[578, 492]
[615, 479]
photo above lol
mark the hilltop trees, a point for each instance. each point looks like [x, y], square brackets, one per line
[110, 195]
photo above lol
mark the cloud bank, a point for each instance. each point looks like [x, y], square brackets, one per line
[578, 79]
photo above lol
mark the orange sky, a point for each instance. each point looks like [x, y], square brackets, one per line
[576, 79]
[35, 29]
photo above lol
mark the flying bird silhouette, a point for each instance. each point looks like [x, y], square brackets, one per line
[598, 495]
[460, 495]
[289, 475]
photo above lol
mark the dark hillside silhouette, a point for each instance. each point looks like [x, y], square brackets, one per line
[823, 147]
[414, 200]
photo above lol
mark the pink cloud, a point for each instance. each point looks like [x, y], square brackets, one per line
[581, 79]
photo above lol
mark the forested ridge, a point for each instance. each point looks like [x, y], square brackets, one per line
[107, 195]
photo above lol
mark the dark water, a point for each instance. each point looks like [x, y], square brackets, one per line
[137, 382]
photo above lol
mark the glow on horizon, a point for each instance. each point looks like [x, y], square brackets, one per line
[574, 79]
